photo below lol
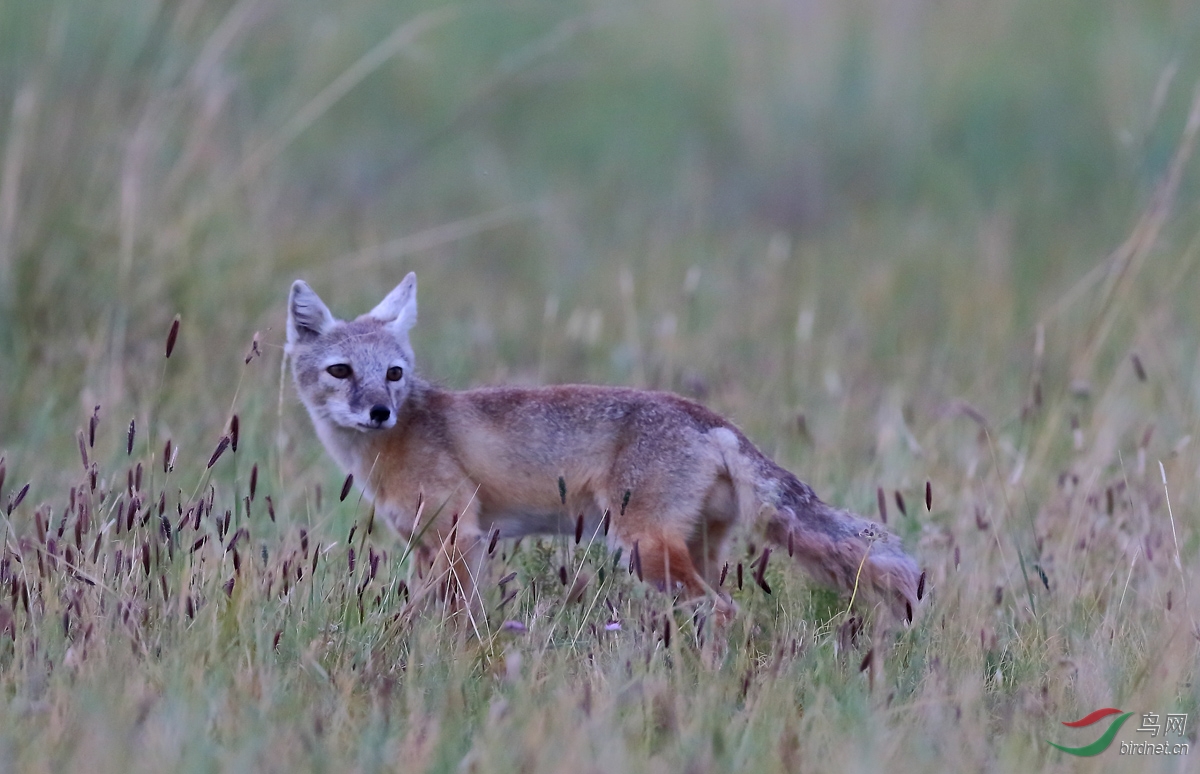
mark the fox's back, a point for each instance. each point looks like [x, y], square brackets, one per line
[583, 414]
[528, 438]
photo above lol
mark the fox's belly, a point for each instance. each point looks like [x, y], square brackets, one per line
[516, 522]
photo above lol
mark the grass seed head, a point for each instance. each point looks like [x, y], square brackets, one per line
[254, 349]
[222, 445]
[172, 335]
[16, 501]
[760, 573]
[1137, 367]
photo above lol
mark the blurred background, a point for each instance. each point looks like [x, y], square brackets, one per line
[830, 220]
[902, 243]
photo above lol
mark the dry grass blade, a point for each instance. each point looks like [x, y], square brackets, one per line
[24, 112]
[1125, 262]
[401, 38]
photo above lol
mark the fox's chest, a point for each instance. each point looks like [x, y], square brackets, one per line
[411, 481]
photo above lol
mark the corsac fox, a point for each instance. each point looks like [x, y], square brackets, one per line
[662, 477]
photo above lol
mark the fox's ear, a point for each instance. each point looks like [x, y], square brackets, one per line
[307, 314]
[399, 308]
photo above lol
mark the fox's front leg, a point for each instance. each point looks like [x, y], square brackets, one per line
[460, 553]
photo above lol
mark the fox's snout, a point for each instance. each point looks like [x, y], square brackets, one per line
[380, 414]
[370, 407]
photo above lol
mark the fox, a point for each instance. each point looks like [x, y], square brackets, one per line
[666, 480]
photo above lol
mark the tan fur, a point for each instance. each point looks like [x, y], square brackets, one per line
[674, 478]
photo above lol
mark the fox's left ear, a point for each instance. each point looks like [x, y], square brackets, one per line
[399, 308]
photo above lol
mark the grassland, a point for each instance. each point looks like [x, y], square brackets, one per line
[898, 243]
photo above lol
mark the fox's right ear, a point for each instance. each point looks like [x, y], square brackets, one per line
[307, 314]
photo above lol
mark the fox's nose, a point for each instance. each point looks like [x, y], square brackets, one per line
[380, 414]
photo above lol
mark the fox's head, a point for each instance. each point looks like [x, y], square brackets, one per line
[354, 374]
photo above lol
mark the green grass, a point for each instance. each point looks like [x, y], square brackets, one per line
[896, 243]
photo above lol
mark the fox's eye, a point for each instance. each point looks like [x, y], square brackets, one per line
[395, 373]
[339, 371]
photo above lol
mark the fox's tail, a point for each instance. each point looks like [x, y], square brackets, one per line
[837, 547]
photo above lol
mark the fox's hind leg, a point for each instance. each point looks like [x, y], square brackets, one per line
[718, 514]
[654, 528]
[665, 561]
[675, 512]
